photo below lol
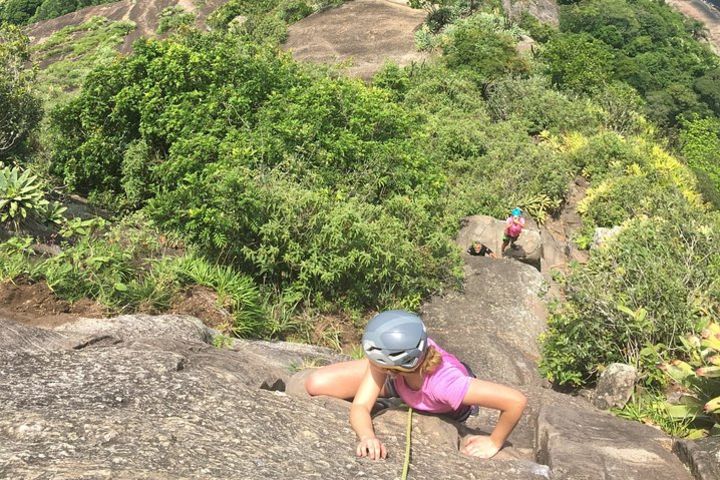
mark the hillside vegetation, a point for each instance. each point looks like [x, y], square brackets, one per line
[293, 192]
[23, 12]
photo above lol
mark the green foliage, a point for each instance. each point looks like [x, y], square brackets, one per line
[623, 108]
[637, 179]
[708, 87]
[294, 10]
[578, 62]
[533, 101]
[236, 292]
[20, 109]
[700, 145]
[72, 52]
[654, 49]
[484, 44]
[22, 12]
[54, 8]
[265, 21]
[539, 31]
[240, 145]
[699, 378]
[22, 197]
[601, 323]
[136, 166]
[174, 18]
[18, 12]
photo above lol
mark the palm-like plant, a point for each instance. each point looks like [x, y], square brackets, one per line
[21, 196]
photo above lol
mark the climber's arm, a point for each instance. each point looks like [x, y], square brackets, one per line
[511, 404]
[360, 419]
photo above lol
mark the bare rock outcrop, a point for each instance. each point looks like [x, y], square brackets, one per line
[150, 397]
[489, 231]
[363, 33]
[165, 404]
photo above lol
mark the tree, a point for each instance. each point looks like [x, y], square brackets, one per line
[579, 62]
[708, 86]
[700, 140]
[18, 12]
[20, 110]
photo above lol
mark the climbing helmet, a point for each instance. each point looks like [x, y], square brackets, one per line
[395, 339]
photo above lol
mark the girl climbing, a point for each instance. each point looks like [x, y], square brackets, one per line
[513, 229]
[402, 361]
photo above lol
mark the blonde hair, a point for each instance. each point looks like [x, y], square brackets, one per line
[431, 362]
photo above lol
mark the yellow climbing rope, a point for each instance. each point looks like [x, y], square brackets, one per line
[408, 440]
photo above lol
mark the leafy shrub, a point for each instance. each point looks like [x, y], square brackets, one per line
[483, 44]
[55, 8]
[578, 62]
[700, 145]
[237, 292]
[438, 18]
[603, 319]
[533, 101]
[22, 197]
[201, 149]
[18, 12]
[172, 18]
[295, 10]
[653, 48]
[539, 31]
[21, 108]
[637, 179]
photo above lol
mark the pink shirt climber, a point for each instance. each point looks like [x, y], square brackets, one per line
[514, 228]
[442, 391]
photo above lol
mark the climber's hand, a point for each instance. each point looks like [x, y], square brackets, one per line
[480, 446]
[371, 447]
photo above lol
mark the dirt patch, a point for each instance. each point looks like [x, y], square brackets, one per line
[37, 305]
[335, 331]
[365, 33]
[202, 302]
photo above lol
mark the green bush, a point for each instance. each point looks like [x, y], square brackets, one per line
[578, 62]
[18, 102]
[485, 45]
[604, 153]
[700, 145]
[621, 302]
[533, 101]
[294, 10]
[215, 152]
[22, 197]
[649, 46]
[173, 18]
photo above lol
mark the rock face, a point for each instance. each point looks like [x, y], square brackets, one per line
[615, 387]
[363, 33]
[105, 402]
[579, 443]
[490, 232]
[702, 456]
[602, 235]
[149, 397]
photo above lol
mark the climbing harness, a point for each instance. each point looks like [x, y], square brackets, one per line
[408, 441]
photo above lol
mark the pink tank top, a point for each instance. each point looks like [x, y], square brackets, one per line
[442, 391]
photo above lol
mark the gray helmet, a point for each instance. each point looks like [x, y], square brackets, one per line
[395, 338]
